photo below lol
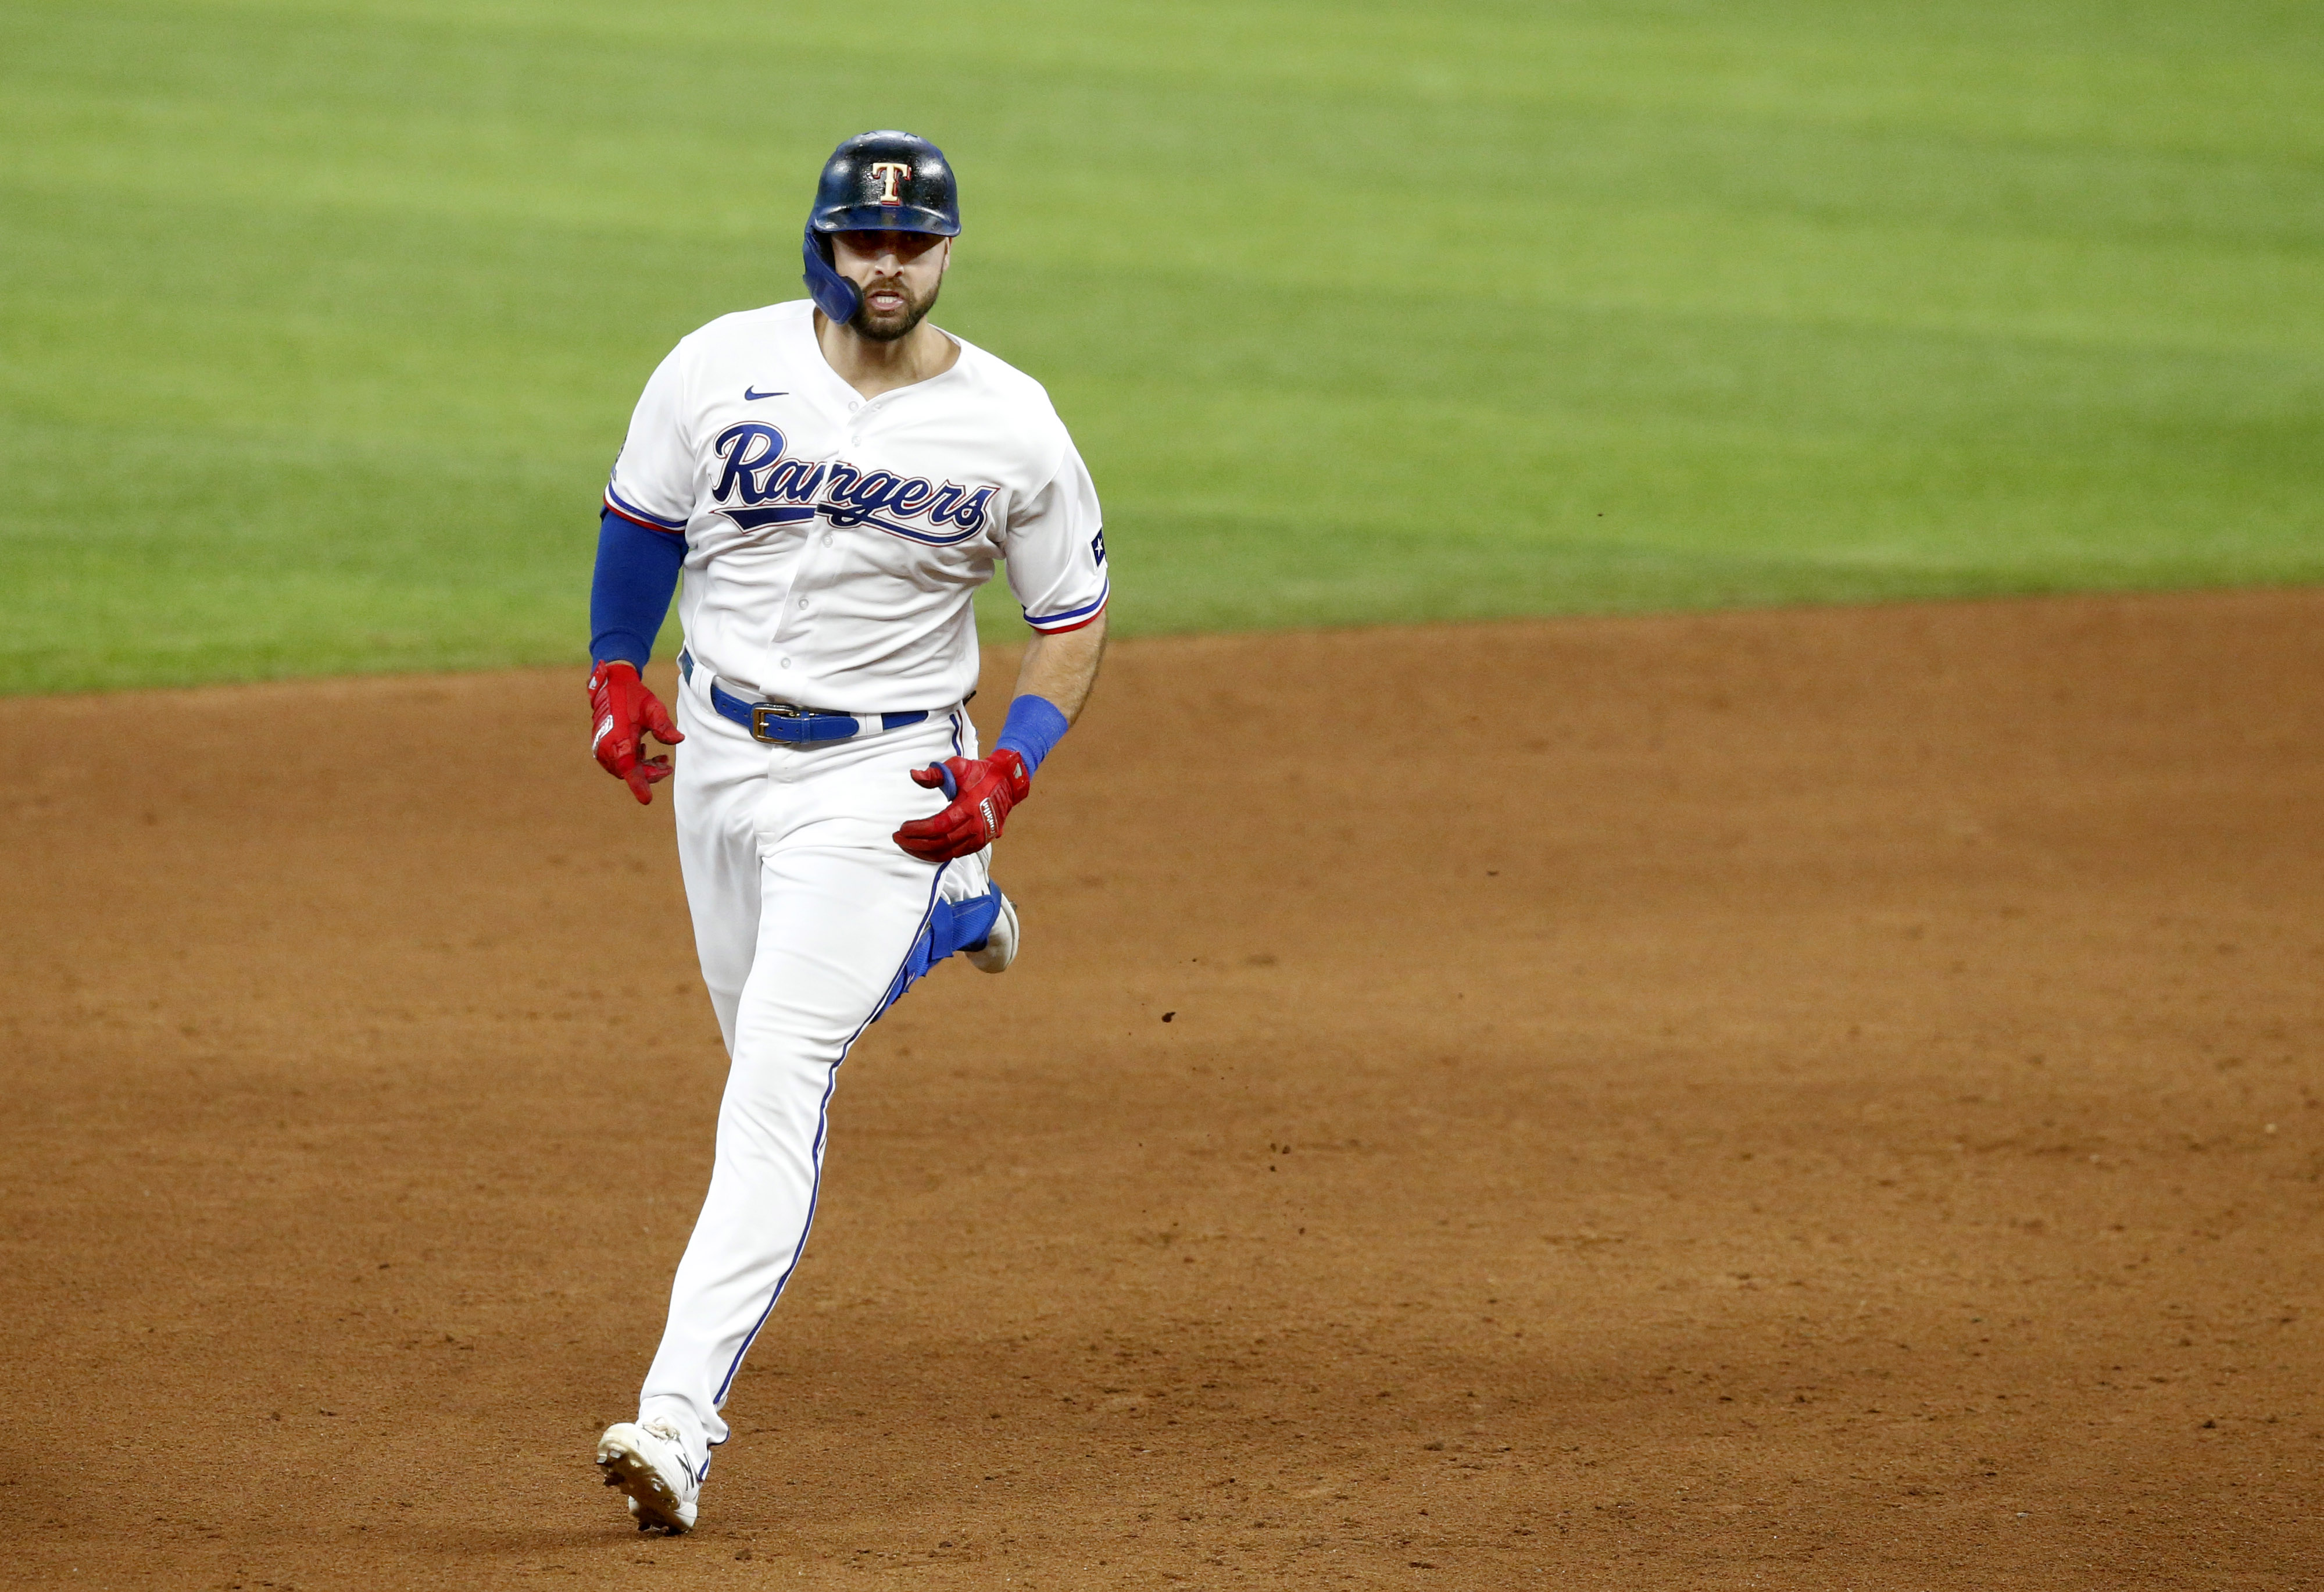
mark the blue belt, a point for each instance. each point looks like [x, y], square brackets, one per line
[781, 721]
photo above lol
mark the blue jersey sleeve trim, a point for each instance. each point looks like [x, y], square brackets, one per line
[628, 598]
[638, 516]
[1071, 618]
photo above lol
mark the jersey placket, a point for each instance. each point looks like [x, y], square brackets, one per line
[821, 561]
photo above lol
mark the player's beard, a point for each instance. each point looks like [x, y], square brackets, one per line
[887, 328]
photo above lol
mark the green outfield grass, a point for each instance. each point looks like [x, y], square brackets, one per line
[319, 322]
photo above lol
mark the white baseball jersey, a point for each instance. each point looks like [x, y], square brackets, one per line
[834, 546]
[834, 542]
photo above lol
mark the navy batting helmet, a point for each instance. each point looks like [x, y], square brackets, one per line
[875, 183]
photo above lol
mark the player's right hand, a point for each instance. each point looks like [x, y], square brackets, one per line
[625, 712]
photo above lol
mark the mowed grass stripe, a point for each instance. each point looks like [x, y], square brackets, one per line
[318, 324]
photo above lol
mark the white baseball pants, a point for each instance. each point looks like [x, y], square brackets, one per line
[805, 910]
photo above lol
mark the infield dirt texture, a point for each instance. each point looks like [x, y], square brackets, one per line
[1792, 1100]
[1818, 1100]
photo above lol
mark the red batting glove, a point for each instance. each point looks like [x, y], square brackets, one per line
[625, 711]
[982, 790]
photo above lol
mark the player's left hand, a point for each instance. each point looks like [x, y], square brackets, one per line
[982, 790]
[623, 712]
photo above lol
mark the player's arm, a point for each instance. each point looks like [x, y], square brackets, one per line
[1060, 668]
[1056, 549]
[1053, 683]
[637, 572]
[641, 548]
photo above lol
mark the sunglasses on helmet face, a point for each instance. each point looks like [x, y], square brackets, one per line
[904, 246]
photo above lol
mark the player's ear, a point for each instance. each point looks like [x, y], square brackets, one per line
[945, 265]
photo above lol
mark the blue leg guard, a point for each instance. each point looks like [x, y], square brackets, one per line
[953, 926]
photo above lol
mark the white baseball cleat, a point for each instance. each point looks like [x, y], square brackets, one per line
[649, 1463]
[1000, 947]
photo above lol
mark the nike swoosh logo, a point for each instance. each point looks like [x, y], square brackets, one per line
[750, 397]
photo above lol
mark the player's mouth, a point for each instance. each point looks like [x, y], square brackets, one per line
[890, 308]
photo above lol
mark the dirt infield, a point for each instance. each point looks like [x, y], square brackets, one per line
[1794, 1100]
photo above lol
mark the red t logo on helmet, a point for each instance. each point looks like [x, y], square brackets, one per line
[892, 174]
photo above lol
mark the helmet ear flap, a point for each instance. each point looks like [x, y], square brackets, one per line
[834, 294]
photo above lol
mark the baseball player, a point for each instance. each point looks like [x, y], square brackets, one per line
[834, 476]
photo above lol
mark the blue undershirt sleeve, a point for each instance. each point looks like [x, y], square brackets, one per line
[637, 572]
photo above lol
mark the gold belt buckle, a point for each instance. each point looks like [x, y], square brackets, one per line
[762, 711]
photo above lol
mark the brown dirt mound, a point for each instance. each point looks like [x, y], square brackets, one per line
[1792, 1099]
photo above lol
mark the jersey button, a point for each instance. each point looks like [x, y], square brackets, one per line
[826, 539]
[787, 662]
[802, 605]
